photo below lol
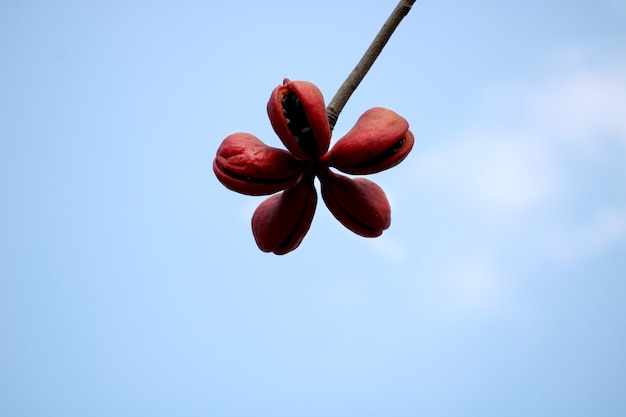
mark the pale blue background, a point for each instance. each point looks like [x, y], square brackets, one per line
[130, 284]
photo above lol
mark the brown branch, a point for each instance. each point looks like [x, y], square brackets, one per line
[358, 73]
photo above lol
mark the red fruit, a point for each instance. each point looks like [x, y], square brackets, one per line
[359, 204]
[247, 165]
[379, 140]
[280, 222]
[298, 115]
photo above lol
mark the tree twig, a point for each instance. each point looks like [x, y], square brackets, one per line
[358, 73]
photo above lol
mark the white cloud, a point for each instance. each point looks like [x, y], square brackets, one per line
[389, 248]
[606, 228]
[347, 299]
[583, 107]
[476, 286]
[514, 158]
[543, 167]
[499, 172]
[464, 289]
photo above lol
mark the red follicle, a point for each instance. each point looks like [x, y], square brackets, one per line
[359, 204]
[379, 140]
[247, 165]
[280, 222]
[298, 115]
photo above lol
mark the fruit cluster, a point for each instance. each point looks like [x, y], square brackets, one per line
[379, 140]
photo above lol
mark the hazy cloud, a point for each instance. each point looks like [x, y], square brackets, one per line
[529, 139]
[537, 167]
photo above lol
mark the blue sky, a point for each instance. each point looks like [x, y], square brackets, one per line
[130, 283]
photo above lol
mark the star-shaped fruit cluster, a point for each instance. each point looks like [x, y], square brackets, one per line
[379, 140]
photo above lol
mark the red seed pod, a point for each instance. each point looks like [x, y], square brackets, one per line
[280, 222]
[298, 115]
[359, 204]
[247, 165]
[379, 140]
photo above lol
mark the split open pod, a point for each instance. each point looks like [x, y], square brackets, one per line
[379, 140]
[248, 166]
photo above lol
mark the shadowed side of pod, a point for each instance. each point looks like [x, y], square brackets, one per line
[280, 222]
[359, 204]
